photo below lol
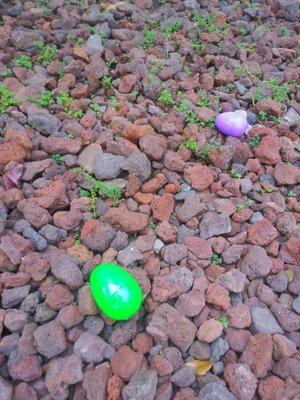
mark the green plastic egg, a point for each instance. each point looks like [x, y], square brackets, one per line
[115, 291]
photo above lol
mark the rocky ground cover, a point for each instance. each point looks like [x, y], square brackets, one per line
[108, 152]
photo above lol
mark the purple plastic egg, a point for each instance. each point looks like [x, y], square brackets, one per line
[231, 123]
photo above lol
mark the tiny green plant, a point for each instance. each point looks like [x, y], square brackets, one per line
[230, 87]
[263, 116]
[207, 149]
[186, 69]
[75, 113]
[65, 101]
[291, 193]
[106, 82]
[152, 23]
[240, 207]
[254, 141]
[267, 189]
[111, 63]
[61, 72]
[93, 30]
[190, 144]
[245, 204]
[152, 225]
[203, 101]
[253, 5]
[216, 259]
[47, 52]
[96, 108]
[190, 115]
[197, 46]
[235, 174]
[258, 95]
[209, 24]
[134, 94]
[207, 124]
[224, 320]
[45, 99]
[6, 73]
[24, 61]
[172, 28]
[166, 98]
[205, 23]
[154, 69]
[243, 31]
[114, 102]
[6, 99]
[46, 11]
[76, 41]
[85, 193]
[58, 158]
[243, 71]
[279, 93]
[76, 236]
[285, 31]
[149, 39]
[99, 188]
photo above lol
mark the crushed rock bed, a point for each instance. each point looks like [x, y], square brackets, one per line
[109, 153]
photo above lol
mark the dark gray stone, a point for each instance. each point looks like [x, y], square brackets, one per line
[107, 166]
[3, 216]
[53, 234]
[218, 348]
[30, 303]
[216, 391]
[39, 241]
[43, 314]
[263, 321]
[138, 164]
[14, 296]
[142, 386]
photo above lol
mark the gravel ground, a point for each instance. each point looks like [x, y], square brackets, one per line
[108, 152]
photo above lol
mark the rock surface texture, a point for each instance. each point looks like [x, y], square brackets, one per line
[109, 153]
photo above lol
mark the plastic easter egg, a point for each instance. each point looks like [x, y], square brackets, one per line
[231, 123]
[115, 291]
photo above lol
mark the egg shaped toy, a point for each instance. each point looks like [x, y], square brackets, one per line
[231, 123]
[115, 291]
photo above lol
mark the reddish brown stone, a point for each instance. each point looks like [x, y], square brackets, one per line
[114, 388]
[268, 150]
[58, 297]
[262, 233]
[258, 354]
[200, 247]
[271, 388]
[218, 296]
[270, 107]
[125, 362]
[162, 207]
[142, 343]
[199, 177]
[285, 174]
[128, 221]
[11, 151]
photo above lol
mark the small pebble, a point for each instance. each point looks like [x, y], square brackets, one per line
[158, 245]
[236, 298]
[40, 243]
[218, 368]
[256, 217]
[296, 304]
